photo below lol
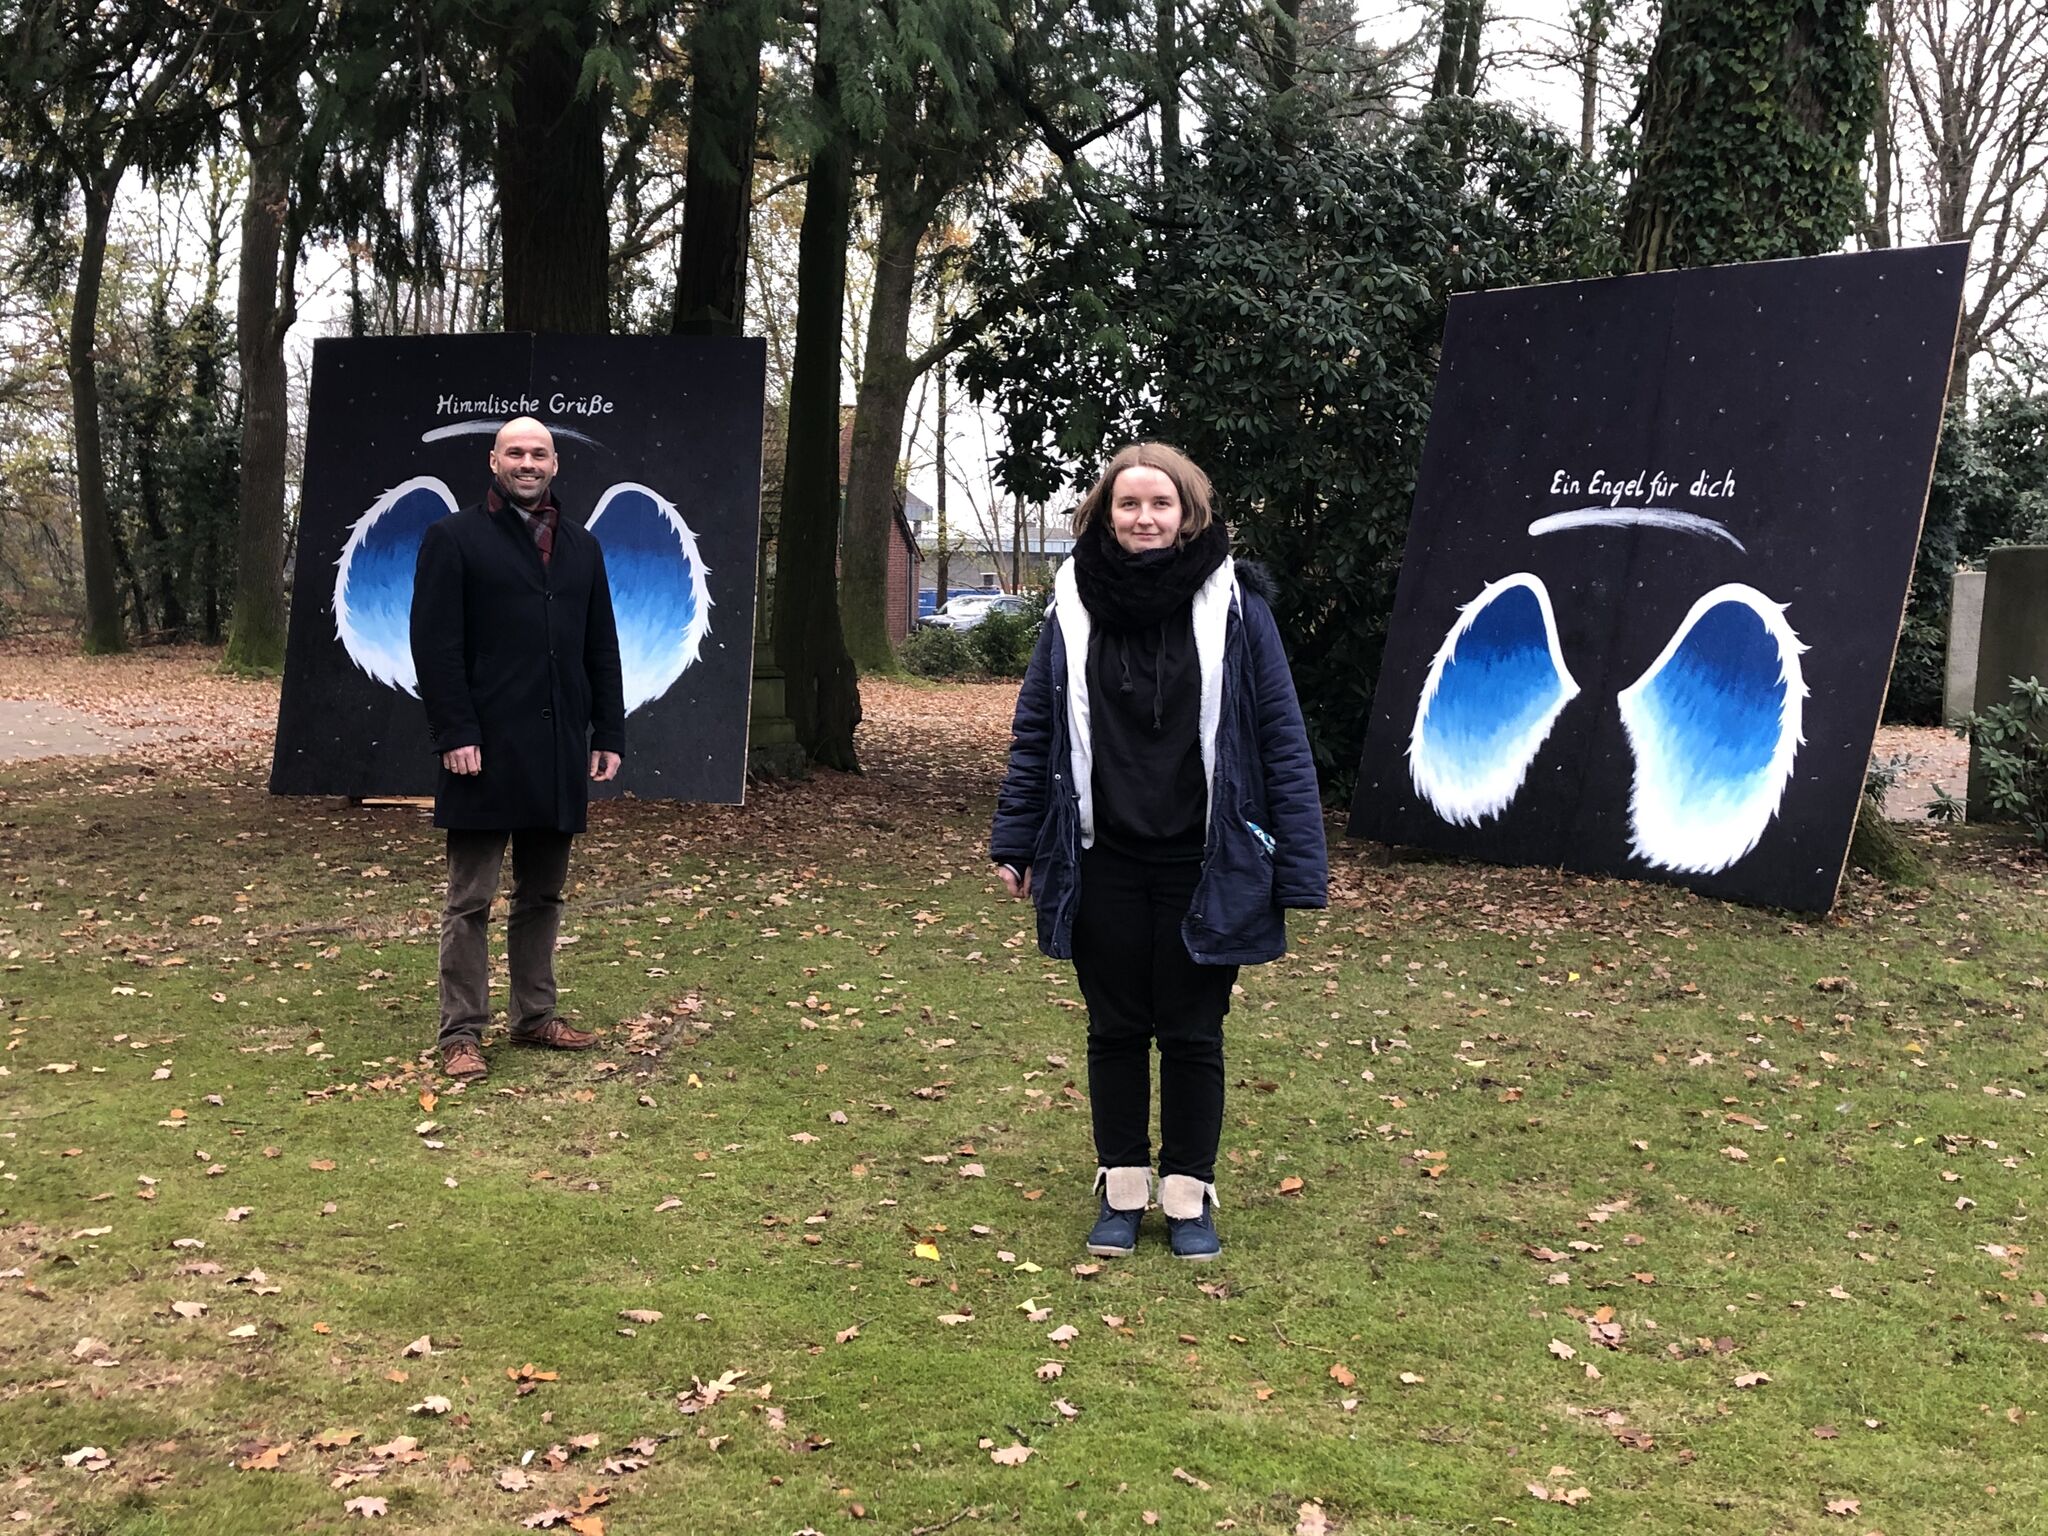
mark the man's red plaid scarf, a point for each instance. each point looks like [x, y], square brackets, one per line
[541, 523]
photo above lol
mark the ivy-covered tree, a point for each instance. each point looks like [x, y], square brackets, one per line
[1755, 115]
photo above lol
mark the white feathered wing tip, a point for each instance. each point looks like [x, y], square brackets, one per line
[1704, 839]
[383, 650]
[649, 677]
[1463, 793]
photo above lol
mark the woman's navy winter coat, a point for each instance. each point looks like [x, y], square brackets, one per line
[1263, 780]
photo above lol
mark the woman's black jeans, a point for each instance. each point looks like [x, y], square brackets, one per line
[1140, 985]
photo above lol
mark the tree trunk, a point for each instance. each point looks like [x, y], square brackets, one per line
[256, 636]
[1286, 44]
[1877, 224]
[884, 392]
[1967, 346]
[945, 552]
[551, 191]
[1457, 53]
[161, 548]
[1596, 15]
[1646, 215]
[1718, 181]
[718, 192]
[1167, 42]
[103, 628]
[823, 689]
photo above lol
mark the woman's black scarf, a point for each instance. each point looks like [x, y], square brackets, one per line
[1127, 592]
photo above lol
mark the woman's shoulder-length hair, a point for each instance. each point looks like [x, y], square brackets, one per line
[1197, 496]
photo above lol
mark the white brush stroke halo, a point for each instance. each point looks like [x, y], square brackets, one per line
[1634, 517]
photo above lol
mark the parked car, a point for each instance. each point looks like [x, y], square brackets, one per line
[964, 610]
[928, 598]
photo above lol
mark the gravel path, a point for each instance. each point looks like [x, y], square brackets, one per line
[1935, 758]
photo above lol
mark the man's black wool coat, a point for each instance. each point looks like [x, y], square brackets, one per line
[520, 659]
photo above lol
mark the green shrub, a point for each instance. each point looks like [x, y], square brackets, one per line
[938, 653]
[1003, 642]
[2010, 742]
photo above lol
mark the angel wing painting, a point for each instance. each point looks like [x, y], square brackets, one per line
[661, 598]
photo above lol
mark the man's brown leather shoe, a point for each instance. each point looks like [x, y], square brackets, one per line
[558, 1035]
[463, 1060]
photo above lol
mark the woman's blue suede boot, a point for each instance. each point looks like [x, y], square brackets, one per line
[1190, 1207]
[1125, 1192]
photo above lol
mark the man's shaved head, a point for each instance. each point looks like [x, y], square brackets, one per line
[523, 424]
[523, 460]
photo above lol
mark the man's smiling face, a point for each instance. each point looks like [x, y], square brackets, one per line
[523, 460]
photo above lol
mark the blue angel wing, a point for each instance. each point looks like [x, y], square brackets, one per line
[1714, 724]
[373, 590]
[659, 597]
[1495, 689]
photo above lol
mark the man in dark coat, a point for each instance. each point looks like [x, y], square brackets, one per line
[518, 661]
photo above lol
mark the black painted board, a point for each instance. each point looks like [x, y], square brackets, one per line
[659, 440]
[1654, 576]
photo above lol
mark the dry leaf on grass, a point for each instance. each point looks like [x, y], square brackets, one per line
[1013, 1455]
[266, 1459]
[366, 1508]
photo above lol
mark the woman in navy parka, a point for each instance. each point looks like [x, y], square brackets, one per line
[1161, 810]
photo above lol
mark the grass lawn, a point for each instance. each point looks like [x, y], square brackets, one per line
[1718, 1216]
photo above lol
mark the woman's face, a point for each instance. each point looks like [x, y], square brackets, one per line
[1144, 509]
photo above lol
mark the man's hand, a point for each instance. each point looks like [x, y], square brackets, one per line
[603, 766]
[464, 760]
[1017, 885]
